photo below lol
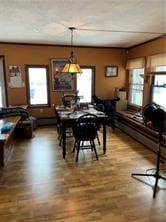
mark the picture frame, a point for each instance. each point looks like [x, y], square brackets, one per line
[61, 81]
[111, 71]
[15, 77]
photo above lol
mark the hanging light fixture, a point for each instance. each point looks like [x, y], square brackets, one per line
[72, 66]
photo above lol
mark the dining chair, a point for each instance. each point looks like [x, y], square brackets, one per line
[69, 132]
[85, 130]
[69, 99]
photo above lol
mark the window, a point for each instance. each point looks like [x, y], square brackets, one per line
[37, 85]
[136, 85]
[85, 84]
[136, 80]
[159, 87]
[2, 84]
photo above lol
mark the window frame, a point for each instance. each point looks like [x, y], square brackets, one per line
[5, 81]
[131, 71]
[28, 87]
[93, 81]
[153, 85]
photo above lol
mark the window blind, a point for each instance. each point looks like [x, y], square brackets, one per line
[135, 63]
[156, 60]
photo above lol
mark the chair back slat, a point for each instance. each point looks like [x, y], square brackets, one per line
[85, 128]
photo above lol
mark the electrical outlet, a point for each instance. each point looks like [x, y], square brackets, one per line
[41, 110]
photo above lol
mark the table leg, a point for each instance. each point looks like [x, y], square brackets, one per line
[104, 138]
[64, 141]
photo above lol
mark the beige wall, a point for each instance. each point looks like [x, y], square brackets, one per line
[150, 48]
[21, 55]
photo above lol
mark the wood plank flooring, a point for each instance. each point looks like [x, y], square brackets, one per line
[37, 185]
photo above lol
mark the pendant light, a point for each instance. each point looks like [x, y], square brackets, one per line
[72, 66]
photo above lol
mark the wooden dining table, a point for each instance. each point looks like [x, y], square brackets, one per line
[68, 117]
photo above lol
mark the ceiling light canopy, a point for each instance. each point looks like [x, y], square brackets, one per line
[72, 66]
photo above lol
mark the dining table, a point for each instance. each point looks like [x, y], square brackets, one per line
[68, 116]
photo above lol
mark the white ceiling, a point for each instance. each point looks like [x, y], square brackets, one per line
[108, 23]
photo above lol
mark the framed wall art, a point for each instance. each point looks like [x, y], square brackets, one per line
[61, 81]
[15, 77]
[111, 71]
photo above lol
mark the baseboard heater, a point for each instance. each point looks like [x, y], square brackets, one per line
[45, 121]
[141, 138]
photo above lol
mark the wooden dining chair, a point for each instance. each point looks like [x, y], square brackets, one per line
[69, 132]
[69, 99]
[85, 130]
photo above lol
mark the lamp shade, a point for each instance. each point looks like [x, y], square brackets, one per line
[72, 68]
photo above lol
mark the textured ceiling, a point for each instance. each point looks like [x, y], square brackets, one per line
[108, 23]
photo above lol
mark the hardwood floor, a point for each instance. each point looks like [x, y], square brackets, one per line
[38, 185]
